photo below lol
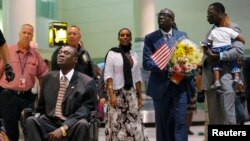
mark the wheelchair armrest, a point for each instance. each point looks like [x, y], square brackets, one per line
[37, 114]
[27, 112]
[94, 125]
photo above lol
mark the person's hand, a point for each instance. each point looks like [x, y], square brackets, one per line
[55, 135]
[102, 102]
[210, 54]
[10, 75]
[140, 103]
[113, 101]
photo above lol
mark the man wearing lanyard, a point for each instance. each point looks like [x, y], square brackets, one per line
[16, 95]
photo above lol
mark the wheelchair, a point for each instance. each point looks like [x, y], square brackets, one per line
[94, 122]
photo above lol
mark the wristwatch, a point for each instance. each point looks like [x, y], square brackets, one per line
[64, 134]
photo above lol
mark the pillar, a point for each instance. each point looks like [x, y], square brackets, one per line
[15, 14]
[145, 18]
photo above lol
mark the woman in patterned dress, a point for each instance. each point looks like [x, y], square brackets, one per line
[123, 80]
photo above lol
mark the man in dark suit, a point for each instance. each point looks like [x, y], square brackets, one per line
[170, 100]
[79, 99]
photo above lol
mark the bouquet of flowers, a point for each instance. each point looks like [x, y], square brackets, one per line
[186, 58]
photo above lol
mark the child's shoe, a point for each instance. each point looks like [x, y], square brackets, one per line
[216, 85]
[238, 81]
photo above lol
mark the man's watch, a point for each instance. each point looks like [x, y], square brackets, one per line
[64, 134]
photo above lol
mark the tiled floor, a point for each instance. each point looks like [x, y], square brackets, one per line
[150, 132]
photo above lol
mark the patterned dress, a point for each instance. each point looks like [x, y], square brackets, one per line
[124, 122]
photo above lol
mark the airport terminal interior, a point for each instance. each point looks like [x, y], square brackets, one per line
[100, 20]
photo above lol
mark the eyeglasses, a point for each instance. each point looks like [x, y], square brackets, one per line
[164, 15]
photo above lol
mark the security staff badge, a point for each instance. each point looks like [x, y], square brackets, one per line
[85, 58]
[22, 82]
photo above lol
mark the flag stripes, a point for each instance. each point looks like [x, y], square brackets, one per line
[162, 56]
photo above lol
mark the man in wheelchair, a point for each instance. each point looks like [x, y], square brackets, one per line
[66, 101]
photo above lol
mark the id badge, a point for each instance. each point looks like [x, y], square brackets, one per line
[22, 82]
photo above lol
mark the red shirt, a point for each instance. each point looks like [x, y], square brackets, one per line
[26, 66]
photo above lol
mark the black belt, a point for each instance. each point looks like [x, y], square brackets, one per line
[13, 91]
[57, 120]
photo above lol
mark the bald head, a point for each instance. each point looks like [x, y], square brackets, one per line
[67, 58]
[167, 11]
[166, 19]
[73, 36]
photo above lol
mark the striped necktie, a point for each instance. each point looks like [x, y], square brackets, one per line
[61, 92]
[168, 35]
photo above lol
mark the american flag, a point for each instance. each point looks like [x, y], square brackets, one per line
[163, 55]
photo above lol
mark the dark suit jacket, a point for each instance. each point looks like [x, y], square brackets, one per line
[79, 100]
[158, 80]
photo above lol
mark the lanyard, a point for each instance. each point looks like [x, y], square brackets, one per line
[23, 65]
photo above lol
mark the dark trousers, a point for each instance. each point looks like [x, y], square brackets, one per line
[11, 106]
[38, 129]
[171, 113]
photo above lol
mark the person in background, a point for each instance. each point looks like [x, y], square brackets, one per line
[36, 88]
[9, 74]
[221, 101]
[240, 97]
[84, 63]
[5, 56]
[47, 63]
[219, 40]
[66, 100]
[16, 95]
[123, 80]
[100, 105]
[246, 74]
[170, 100]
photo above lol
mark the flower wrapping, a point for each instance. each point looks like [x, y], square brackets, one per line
[186, 58]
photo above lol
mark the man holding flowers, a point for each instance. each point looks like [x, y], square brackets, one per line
[170, 99]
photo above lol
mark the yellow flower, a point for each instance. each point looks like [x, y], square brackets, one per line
[189, 50]
[187, 56]
[180, 51]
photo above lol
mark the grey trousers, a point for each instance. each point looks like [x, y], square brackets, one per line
[221, 102]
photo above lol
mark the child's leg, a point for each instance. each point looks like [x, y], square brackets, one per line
[216, 69]
[236, 75]
[236, 72]
[217, 84]
[216, 75]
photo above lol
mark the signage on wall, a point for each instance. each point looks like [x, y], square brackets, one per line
[57, 34]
